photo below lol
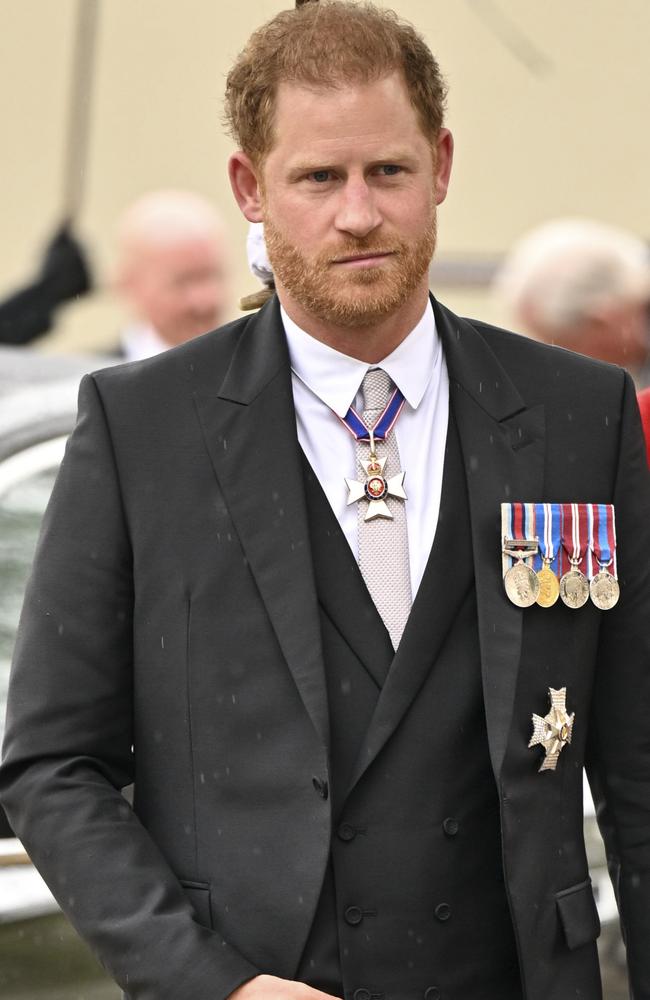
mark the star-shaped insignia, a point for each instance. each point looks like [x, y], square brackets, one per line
[376, 488]
[553, 731]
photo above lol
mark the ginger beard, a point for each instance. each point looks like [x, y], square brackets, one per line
[355, 297]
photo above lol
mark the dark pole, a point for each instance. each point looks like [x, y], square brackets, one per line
[79, 117]
[63, 272]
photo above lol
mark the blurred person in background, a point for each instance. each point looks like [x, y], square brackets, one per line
[172, 271]
[584, 286]
[644, 407]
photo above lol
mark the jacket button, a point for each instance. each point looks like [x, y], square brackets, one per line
[346, 832]
[353, 916]
[361, 994]
[443, 911]
[320, 786]
[432, 993]
[450, 826]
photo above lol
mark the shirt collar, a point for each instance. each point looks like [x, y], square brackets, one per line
[336, 378]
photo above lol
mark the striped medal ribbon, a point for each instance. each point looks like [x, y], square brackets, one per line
[519, 543]
[547, 519]
[574, 587]
[603, 586]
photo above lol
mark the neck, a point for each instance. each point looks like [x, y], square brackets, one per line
[370, 343]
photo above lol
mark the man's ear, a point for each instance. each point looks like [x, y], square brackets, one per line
[444, 157]
[245, 186]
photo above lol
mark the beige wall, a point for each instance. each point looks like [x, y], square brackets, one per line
[548, 103]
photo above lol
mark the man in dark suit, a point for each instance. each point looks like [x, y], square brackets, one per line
[328, 727]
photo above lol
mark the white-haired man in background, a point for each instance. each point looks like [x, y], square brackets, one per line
[172, 271]
[584, 286]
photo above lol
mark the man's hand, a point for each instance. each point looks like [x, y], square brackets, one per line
[273, 988]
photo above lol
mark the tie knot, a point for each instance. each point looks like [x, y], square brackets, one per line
[376, 388]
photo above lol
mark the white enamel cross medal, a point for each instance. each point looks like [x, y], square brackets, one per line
[376, 487]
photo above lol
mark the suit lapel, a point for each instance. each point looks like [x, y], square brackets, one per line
[249, 428]
[502, 442]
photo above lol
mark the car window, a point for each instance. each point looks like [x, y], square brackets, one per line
[26, 482]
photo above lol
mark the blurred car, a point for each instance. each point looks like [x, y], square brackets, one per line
[38, 401]
[42, 957]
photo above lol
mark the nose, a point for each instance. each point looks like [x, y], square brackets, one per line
[357, 213]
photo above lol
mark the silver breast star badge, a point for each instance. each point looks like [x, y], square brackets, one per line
[554, 731]
[376, 488]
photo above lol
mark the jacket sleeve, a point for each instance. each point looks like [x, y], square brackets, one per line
[619, 745]
[68, 746]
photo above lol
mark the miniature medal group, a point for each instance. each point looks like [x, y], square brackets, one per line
[551, 552]
[559, 550]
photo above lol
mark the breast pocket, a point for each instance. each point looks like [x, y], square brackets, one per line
[578, 914]
[198, 894]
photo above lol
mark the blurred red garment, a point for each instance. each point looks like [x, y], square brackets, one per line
[644, 405]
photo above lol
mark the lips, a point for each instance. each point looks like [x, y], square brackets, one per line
[369, 256]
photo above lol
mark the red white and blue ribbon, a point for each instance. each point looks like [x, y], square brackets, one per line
[547, 520]
[603, 537]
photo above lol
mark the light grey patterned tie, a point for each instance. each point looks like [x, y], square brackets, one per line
[383, 543]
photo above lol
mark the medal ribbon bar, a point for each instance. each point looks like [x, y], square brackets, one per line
[576, 542]
[603, 538]
[547, 516]
[575, 534]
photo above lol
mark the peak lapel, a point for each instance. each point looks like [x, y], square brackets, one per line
[503, 453]
[249, 428]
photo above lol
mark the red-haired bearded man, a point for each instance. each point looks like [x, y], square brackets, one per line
[269, 592]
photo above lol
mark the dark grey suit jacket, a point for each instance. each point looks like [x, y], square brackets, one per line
[170, 637]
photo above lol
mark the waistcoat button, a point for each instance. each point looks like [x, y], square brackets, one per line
[353, 915]
[432, 993]
[443, 911]
[450, 826]
[346, 832]
[320, 786]
[361, 994]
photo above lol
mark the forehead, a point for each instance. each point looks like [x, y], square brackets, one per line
[369, 115]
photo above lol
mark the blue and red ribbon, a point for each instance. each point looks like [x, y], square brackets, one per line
[384, 424]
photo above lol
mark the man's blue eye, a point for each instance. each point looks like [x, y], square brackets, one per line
[391, 168]
[321, 175]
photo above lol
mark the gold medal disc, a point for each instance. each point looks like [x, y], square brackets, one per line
[604, 590]
[574, 588]
[549, 587]
[522, 585]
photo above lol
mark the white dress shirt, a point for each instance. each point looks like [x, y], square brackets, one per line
[326, 383]
[139, 340]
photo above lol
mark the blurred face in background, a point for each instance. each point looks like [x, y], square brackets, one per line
[173, 271]
[180, 287]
